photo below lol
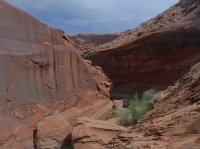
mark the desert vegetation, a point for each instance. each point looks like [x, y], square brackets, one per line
[138, 106]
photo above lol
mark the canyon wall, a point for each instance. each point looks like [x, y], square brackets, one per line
[153, 55]
[41, 72]
[36, 62]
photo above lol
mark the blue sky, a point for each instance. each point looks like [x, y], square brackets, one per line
[93, 16]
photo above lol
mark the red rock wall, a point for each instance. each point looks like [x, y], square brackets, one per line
[152, 62]
[41, 72]
[36, 63]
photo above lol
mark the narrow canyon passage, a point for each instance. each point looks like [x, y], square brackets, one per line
[59, 90]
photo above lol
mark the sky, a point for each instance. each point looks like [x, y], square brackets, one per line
[93, 16]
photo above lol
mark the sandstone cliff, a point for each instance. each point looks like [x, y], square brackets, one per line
[155, 54]
[41, 72]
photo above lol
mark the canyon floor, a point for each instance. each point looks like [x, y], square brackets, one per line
[54, 86]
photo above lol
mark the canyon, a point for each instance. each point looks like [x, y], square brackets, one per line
[53, 85]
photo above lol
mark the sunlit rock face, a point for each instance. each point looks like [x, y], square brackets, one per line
[36, 63]
[155, 54]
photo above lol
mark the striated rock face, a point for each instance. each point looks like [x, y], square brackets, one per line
[36, 60]
[173, 123]
[155, 54]
[40, 72]
[86, 42]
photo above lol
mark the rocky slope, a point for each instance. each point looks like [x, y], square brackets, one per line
[173, 123]
[41, 72]
[155, 54]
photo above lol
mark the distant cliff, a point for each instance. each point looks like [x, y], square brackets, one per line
[86, 42]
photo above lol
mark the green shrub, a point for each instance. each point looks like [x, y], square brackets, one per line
[150, 94]
[137, 108]
[124, 117]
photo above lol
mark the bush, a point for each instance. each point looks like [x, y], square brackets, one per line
[137, 108]
[150, 94]
[125, 117]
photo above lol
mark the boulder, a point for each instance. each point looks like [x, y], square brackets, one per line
[52, 132]
[93, 134]
[118, 104]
